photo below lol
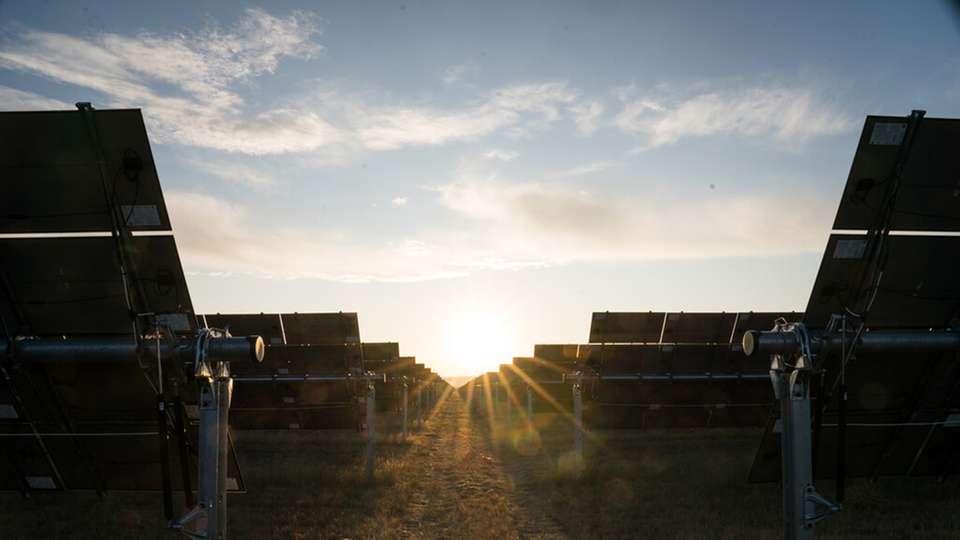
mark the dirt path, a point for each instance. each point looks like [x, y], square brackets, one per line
[461, 489]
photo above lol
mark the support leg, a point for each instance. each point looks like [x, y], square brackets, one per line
[404, 411]
[530, 405]
[371, 429]
[578, 426]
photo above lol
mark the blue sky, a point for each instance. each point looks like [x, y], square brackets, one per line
[474, 178]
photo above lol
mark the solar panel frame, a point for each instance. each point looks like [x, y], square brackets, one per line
[704, 327]
[321, 328]
[915, 281]
[50, 284]
[929, 189]
[626, 327]
[50, 167]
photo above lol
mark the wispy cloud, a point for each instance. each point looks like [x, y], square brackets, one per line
[215, 236]
[18, 100]
[234, 172]
[560, 223]
[400, 201]
[526, 105]
[185, 81]
[784, 113]
[586, 169]
[586, 116]
[501, 155]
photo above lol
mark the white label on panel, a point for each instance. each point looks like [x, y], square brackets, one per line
[849, 249]
[178, 322]
[888, 133]
[141, 215]
[8, 412]
[41, 482]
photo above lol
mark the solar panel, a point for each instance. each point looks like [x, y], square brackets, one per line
[607, 327]
[380, 355]
[927, 199]
[74, 286]
[321, 328]
[692, 385]
[918, 290]
[698, 327]
[52, 180]
[298, 387]
[265, 325]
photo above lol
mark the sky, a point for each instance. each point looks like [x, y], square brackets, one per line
[474, 178]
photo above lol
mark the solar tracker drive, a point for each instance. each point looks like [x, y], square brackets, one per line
[106, 404]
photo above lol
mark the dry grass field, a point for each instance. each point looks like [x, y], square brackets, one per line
[460, 477]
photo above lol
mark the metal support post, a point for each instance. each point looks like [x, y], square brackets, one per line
[530, 404]
[211, 505]
[578, 423]
[419, 407]
[371, 428]
[803, 507]
[404, 410]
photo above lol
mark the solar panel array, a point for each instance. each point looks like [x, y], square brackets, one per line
[901, 409]
[304, 380]
[680, 327]
[650, 369]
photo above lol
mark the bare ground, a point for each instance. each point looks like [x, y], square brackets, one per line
[461, 477]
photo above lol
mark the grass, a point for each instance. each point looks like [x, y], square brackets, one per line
[460, 477]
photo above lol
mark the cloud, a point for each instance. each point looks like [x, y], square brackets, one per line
[18, 100]
[215, 236]
[586, 169]
[187, 84]
[400, 201]
[561, 223]
[791, 115]
[234, 171]
[185, 81]
[586, 116]
[501, 155]
[525, 105]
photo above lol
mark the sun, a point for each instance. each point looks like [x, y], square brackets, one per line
[480, 339]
